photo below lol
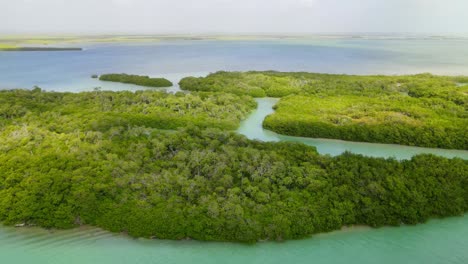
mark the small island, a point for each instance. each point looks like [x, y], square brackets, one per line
[136, 79]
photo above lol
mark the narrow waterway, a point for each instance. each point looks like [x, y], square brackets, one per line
[252, 128]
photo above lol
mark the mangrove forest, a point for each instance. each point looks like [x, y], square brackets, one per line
[418, 110]
[169, 166]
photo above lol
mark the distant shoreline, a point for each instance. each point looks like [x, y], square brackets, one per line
[40, 49]
[15, 41]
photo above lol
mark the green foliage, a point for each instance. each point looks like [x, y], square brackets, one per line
[57, 171]
[429, 122]
[280, 84]
[67, 112]
[212, 185]
[419, 110]
[136, 79]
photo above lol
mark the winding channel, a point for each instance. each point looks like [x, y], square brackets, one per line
[252, 128]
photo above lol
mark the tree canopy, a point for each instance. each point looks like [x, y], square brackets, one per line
[419, 110]
[62, 165]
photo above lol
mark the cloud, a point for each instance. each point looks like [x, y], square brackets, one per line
[308, 3]
[232, 16]
[122, 3]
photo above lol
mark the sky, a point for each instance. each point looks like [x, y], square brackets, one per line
[233, 16]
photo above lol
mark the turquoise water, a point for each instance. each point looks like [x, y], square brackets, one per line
[439, 241]
[252, 128]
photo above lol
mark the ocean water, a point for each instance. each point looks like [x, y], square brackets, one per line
[71, 70]
[439, 241]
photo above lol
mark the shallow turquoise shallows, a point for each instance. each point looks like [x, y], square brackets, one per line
[439, 241]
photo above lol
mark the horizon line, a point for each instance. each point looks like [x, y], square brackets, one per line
[217, 34]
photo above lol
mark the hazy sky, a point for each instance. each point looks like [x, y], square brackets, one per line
[233, 16]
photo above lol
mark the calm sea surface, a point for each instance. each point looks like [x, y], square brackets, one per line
[439, 241]
[71, 70]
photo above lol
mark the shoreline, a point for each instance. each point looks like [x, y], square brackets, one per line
[17, 41]
[40, 49]
[87, 230]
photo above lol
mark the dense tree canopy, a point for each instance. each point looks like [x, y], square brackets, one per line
[59, 169]
[280, 84]
[429, 122]
[420, 110]
[101, 110]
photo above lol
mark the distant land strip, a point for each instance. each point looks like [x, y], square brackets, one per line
[40, 49]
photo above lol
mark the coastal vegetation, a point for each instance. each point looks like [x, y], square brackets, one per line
[16, 48]
[102, 110]
[136, 79]
[428, 122]
[6, 46]
[419, 110]
[167, 166]
[280, 84]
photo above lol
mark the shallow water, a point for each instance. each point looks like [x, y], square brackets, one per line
[439, 241]
[71, 70]
[252, 128]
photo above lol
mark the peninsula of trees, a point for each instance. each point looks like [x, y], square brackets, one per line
[419, 110]
[136, 79]
[168, 166]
